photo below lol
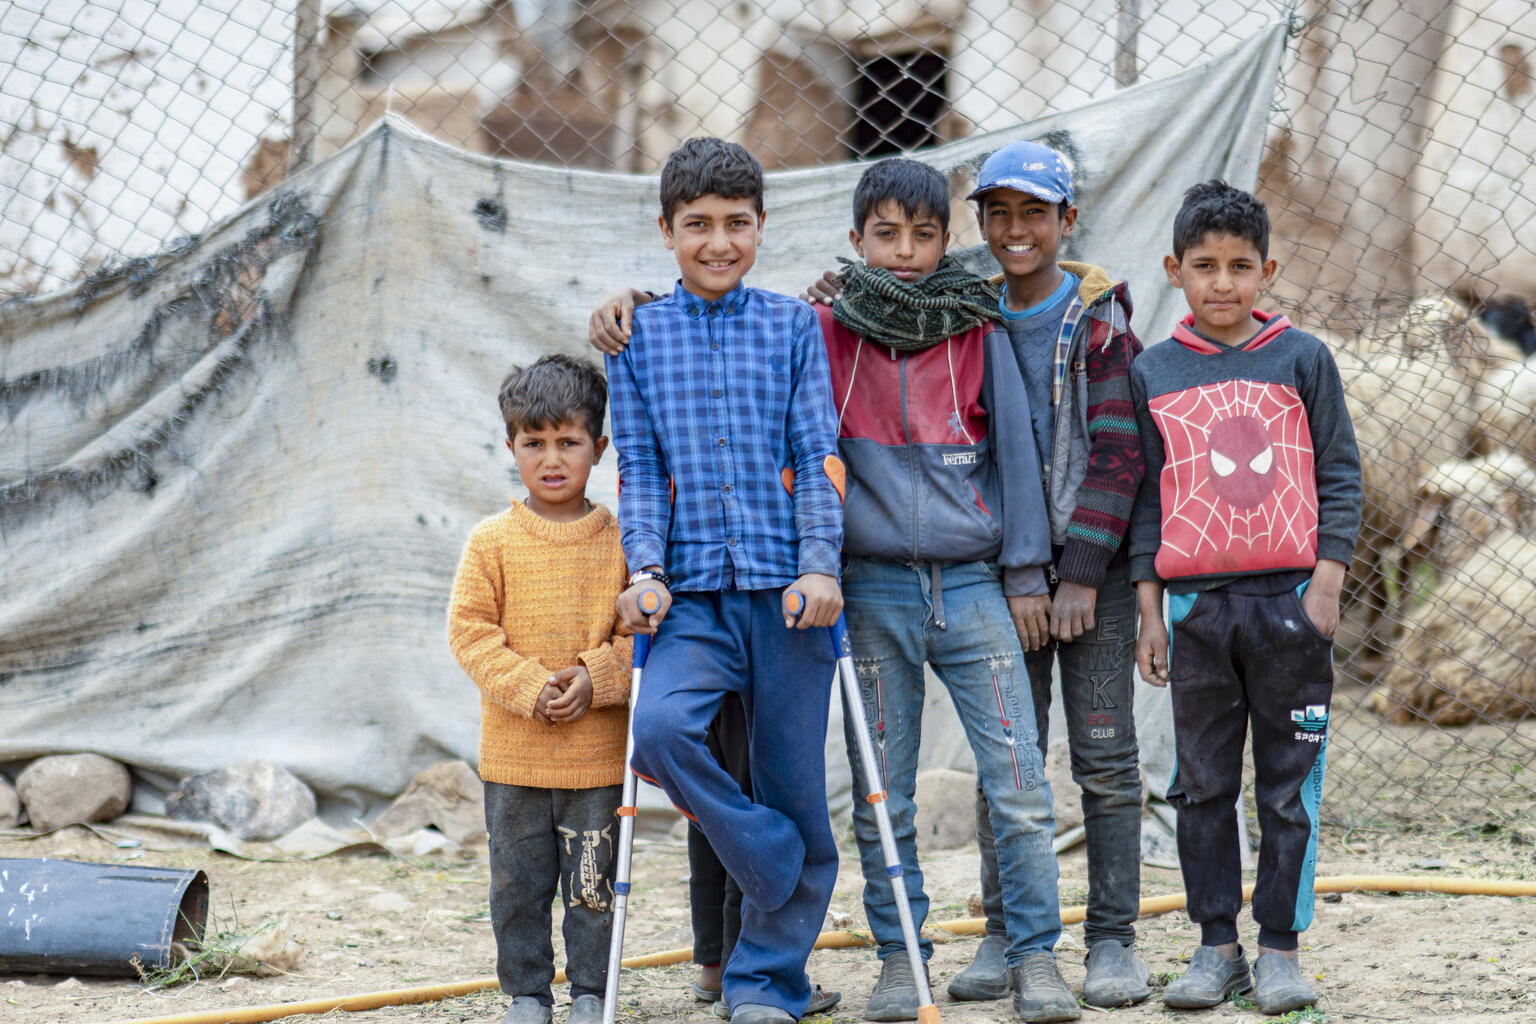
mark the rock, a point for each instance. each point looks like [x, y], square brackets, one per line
[946, 809]
[388, 903]
[10, 805]
[448, 795]
[257, 800]
[1067, 794]
[65, 789]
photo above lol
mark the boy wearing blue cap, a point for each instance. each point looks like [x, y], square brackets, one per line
[1069, 326]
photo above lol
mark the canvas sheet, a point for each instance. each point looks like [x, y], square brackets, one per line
[235, 476]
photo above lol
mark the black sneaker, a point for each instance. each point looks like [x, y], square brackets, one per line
[1278, 986]
[895, 995]
[987, 976]
[1210, 978]
[1116, 975]
[1040, 994]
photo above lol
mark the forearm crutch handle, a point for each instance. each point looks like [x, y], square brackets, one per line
[650, 603]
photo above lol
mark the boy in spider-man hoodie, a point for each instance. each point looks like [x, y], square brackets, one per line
[1248, 516]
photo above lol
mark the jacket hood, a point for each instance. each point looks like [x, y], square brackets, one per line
[1094, 284]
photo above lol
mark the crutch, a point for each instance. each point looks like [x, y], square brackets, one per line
[650, 602]
[794, 604]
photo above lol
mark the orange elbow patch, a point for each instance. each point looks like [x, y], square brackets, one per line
[832, 466]
[837, 473]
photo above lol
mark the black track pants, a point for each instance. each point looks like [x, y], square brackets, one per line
[1248, 661]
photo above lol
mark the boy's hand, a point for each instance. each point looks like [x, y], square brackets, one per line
[1321, 601]
[823, 601]
[826, 290]
[1032, 619]
[1152, 637]
[548, 695]
[575, 684]
[609, 328]
[1152, 650]
[1072, 610]
[629, 611]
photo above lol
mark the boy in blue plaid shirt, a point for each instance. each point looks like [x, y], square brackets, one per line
[730, 494]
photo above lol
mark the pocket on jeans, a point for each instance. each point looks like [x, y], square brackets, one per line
[993, 570]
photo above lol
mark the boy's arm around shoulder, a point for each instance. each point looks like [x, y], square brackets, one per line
[1115, 462]
[645, 497]
[819, 475]
[477, 637]
[610, 663]
[1026, 551]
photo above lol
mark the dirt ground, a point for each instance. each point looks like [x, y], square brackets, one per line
[374, 922]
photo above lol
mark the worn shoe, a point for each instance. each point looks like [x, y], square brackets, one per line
[1210, 978]
[987, 975]
[528, 1010]
[1278, 986]
[1116, 975]
[760, 1013]
[895, 995]
[1040, 993]
[821, 1002]
[586, 1009]
[706, 987]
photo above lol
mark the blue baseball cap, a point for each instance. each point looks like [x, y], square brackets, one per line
[1026, 167]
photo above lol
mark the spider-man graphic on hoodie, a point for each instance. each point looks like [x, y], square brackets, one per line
[1251, 462]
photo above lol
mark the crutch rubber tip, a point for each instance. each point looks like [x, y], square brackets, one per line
[928, 1014]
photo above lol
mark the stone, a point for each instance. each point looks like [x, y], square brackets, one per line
[257, 800]
[388, 903]
[448, 796]
[10, 805]
[946, 809]
[67, 789]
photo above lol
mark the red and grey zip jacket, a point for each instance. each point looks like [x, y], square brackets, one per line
[941, 461]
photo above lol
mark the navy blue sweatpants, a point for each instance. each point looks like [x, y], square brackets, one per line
[776, 842]
[1241, 660]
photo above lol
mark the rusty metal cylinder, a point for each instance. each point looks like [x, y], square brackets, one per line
[65, 917]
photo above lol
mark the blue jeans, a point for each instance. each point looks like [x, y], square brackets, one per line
[973, 648]
[776, 841]
[1098, 688]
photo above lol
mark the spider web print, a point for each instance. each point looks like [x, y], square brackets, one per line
[1267, 470]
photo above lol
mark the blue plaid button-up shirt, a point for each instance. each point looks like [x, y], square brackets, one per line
[710, 403]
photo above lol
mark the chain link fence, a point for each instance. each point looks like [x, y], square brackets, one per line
[1397, 171]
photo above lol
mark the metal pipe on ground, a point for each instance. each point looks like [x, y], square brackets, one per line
[65, 917]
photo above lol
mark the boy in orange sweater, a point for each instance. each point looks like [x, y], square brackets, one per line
[532, 621]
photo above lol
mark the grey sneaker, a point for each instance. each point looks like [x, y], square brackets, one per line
[586, 1009]
[894, 996]
[527, 1010]
[1278, 986]
[987, 976]
[1040, 993]
[1210, 978]
[1116, 975]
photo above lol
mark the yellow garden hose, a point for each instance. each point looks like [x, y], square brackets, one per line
[828, 940]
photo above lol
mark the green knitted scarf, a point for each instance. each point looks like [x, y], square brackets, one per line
[913, 316]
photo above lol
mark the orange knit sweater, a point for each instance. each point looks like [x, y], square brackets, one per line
[532, 597]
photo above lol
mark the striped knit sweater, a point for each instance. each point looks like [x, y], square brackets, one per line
[1096, 464]
[531, 597]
